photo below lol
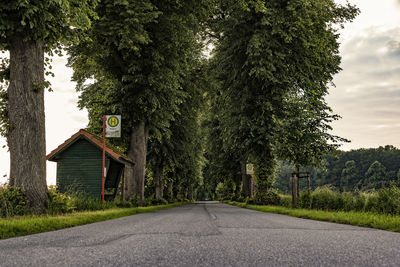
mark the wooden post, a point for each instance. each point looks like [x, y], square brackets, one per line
[309, 183]
[298, 185]
[294, 190]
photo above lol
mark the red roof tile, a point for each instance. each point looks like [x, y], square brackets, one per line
[95, 140]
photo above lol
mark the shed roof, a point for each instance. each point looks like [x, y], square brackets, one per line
[95, 140]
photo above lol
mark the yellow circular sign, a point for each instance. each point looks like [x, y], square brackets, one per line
[113, 121]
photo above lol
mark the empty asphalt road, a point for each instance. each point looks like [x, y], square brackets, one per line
[205, 234]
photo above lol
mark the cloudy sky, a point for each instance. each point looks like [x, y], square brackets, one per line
[367, 92]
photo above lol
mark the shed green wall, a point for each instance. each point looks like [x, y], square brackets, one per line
[79, 167]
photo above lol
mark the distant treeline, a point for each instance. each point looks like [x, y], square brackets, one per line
[361, 169]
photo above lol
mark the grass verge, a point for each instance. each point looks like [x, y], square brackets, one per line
[364, 219]
[20, 226]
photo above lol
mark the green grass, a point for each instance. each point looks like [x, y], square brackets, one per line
[20, 226]
[364, 219]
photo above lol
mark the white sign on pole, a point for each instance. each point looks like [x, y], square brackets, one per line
[249, 168]
[113, 125]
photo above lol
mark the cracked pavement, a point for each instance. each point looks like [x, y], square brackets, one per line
[205, 234]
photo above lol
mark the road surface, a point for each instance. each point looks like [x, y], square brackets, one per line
[205, 234]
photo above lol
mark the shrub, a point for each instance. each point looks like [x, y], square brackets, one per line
[83, 202]
[348, 201]
[58, 203]
[360, 201]
[124, 204]
[240, 199]
[13, 202]
[147, 202]
[286, 201]
[385, 200]
[305, 200]
[269, 197]
[326, 198]
[159, 202]
[135, 201]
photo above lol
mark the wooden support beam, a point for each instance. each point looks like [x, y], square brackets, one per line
[294, 190]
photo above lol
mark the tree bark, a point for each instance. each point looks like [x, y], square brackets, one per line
[26, 136]
[137, 152]
[158, 183]
[170, 190]
[190, 193]
[246, 182]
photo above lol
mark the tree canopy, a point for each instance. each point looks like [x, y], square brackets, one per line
[274, 61]
[28, 29]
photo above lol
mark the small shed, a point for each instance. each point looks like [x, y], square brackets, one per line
[79, 165]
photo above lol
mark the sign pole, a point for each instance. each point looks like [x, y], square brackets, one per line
[104, 159]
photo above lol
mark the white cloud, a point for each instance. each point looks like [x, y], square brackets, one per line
[367, 93]
[63, 117]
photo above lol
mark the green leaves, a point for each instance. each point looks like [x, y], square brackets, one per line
[272, 63]
[53, 21]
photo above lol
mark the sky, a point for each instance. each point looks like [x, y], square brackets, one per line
[366, 92]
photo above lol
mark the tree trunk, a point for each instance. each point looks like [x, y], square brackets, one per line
[26, 136]
[137, 152]
[237, 188]
[170, 190]
[246, 182]
[190, 193]
[158, 183]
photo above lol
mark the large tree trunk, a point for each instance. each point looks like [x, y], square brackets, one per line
[246, 181]
[137, 152]
[26, 136]
[158, 182]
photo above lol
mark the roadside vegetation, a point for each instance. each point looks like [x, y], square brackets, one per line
[377, 208]
[14, 202]
[363, 219]
[18, 226]
[66, 210]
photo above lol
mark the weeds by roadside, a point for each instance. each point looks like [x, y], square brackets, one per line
[13, 202]
[363, 219]
[18, 226]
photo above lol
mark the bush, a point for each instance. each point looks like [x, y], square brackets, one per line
[124, 204]
[240, 199]
[269, 197]
[325, 198]
[350, 202]
[286, 201]
[83, 202]
[58, 203]
[385, 200]
[13, 202]
[305, 200]
[135, 201]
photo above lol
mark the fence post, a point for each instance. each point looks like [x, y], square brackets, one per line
[294, 190]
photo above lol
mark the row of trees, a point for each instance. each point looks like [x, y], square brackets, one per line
[260, 97]
[271, 69]
[361, 169]
[143, 59]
